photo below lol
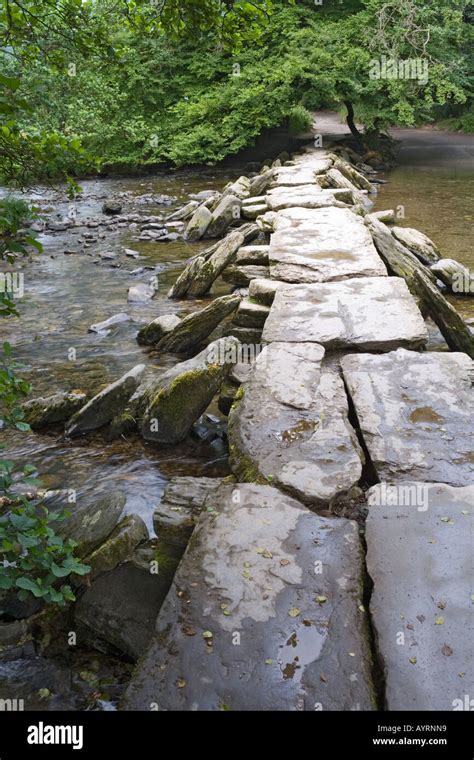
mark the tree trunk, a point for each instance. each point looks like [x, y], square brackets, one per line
[350, 120]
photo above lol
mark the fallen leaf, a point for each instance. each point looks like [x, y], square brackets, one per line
[321, 599]
[267, 554]
[207, 635]
[413, 660]
[284, 562]
[180, 683]
[439, 620]
[441, 604]
[446, 650]
[188, 630]
[294, 612]
[268, 662]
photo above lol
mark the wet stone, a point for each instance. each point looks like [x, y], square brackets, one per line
[413, 413]
[254, 627]
[296, 435]
[367, 313]
[419, 556]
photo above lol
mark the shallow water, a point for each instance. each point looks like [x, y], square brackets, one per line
[434, 182]
[64, 295]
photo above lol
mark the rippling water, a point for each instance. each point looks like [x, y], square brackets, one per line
[64, 295]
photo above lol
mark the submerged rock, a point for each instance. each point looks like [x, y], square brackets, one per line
[151, 333]
[174, 402]
[141, 293]
[105, 405]
[105, 326]
[40, 412]
[254, 627]
[111, 208]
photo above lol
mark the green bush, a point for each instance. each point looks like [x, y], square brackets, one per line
[299, 120]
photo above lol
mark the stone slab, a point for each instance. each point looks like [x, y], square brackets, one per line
[306, 196]
[249, 625]
[291, 426]
[320, 245]
[367, 313]
[421, 560]
[415, 415]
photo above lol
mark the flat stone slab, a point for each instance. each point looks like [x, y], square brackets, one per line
[306, 196]
[368, 313]
[291, 426]
[420, 558]
[320, 245]
[263, 614]
[415, 414]
[303, 174]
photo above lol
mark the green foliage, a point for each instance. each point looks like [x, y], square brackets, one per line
[299, 120]
[13, 390]
[181, 89]
[34, 558]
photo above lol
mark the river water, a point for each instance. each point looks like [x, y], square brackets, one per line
[434, 182]
[64, 295]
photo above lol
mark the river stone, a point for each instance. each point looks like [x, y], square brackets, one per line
[174, 402]
[293, 652]
[107, 324]
[263, 290]
[40, 412]
[418, 243]
[243, 275]
[252, 254]
[455, 275]
[90, 526]
[151, 333]
[100, 409]
[226, 212]
[111, 208]
[261, 182]
[420, 561]
[351, 173]
[334, 178]
[253, 212]
[297, 435]
[198, 224]
[121, 607]
[118, 547]
[250, 314]
[370, 313]
[181, 504]
[193, 329]
[208, 270]
[185, 212]
[140, 293]
[387, 216]
[321, 245]
[412, 413]
[240, 188]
